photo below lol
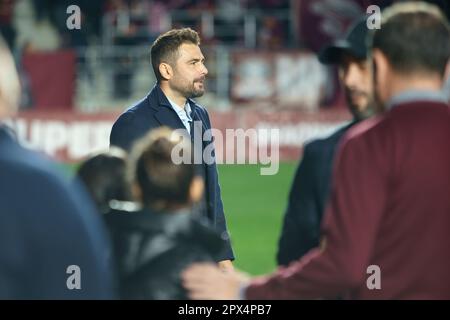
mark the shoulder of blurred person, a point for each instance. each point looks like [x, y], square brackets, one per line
[152, 248]
[308, 197]
[320, 152]
[363, 127]
[312, 181]
[318, 145]
[47, 225]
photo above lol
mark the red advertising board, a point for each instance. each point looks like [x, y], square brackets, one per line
[68, 136]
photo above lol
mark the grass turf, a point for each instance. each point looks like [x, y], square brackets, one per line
[254, 207]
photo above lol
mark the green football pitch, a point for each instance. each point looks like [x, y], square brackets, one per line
[254, 206]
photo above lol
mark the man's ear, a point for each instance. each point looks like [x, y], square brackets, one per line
[165, 70]
[196, 189]
[3, 108]
[381, 76]
[381, 64]
[446, 81]
[136, 192]
[447, 71]
[9, 84]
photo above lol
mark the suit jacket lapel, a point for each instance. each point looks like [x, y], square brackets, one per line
[196, 117]
[162, 109]
[168, 117]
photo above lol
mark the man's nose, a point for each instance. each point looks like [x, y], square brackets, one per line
[204, 70]
[352, 76]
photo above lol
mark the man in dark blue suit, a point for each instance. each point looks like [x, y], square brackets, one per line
[178, 64]
[52, 243]
[311, 186]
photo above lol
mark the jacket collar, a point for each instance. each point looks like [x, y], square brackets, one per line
[150, 220]
[164, 113]
[157, 99]
[410, 96]
[7, 133]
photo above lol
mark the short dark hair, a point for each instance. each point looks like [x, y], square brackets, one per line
[104, 176]
[160, 180]
[415, 37]
[165, 47]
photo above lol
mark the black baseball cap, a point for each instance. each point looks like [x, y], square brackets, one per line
[354, 43]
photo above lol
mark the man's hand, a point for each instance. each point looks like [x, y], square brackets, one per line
[226, 265]
[207, 281]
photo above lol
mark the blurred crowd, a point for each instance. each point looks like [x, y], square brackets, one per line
[40, 25]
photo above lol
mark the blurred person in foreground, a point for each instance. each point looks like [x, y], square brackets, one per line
[389, 206]
[312, 182]
[52, 244]
[104, 176]
[178, 64]
[154, 243]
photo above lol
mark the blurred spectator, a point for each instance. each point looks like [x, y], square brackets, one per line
[230, 10]
[271, 34]
[159, 20]
[310, 189]
[129, 23]
[154, 244]
[230, 15]
[58, 16]
[35, 30]
[322, 21]
[48, 227]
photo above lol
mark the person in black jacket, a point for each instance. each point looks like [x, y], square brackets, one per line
[311, 185]
[153, 244]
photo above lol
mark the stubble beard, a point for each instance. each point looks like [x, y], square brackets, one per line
[189, 90]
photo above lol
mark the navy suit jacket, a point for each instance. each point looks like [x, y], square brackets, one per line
[155, 111]
[308, 198]
[46, 225]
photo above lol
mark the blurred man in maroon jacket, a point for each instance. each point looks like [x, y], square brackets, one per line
[387, 229]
